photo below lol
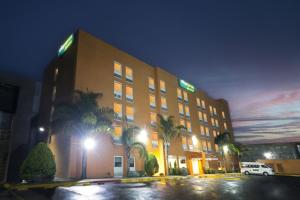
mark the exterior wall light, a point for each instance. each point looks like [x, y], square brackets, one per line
[194, 140]
[41, 129]
[89, 143]
[225, 148]
[268, 155]
[142, 136]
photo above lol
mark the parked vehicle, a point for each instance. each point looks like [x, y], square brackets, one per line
[256, 168]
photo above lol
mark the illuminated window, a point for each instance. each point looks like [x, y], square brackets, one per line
[180, 107]
[207, 131]
[198, 102]
[217, 123]
[213, 122]
[188, 126]
[185, 96]
[218, 132]
[203, 104]
[117, 69]
[215, 133]
[182, 122]
[190, 143]
[225, 126]
[187, 111]
[118, 90]
[209, 146]
[204, 146]
[151, 84]
[162, 86]
[154, 140]
[128, 74]
[117, 134]
[217, 148]
[215, 111]
[153, 118]
[223, 115]
[129, 113]
[179, 94]
[205, 117]
[129, 93]
[152, 101]
[200, 115]
[211, 110]
[184, 143]
[118, 110]
[202, 131]
[163, 101]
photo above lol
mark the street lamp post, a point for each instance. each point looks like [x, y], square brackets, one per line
[88, 144]
[225, 150]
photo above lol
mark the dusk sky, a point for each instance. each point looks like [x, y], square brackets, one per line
[247, 52]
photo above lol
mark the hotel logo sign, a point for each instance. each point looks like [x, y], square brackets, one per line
[187, 86]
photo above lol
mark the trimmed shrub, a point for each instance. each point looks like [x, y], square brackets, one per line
[183, 171]
[151, 165]
[39, 165]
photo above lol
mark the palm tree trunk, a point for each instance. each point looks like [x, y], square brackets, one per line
[84, 164]
[166, 158]
[224, 160]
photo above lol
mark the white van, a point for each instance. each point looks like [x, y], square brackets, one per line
[256, 168]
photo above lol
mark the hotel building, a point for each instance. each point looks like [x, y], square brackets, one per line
[138, 91]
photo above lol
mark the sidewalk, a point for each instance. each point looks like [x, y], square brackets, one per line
[69, 183]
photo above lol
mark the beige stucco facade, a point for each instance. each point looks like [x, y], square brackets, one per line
[89, 63]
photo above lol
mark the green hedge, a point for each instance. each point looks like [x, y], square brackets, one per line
[151, 165]
[39, 164]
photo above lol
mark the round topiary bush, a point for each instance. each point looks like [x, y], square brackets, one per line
[39, 165]
[151, 165]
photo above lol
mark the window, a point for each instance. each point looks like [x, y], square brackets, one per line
[180, 107]
[211, 110]
[129, 113]
[55, 73]
[207, 131]
[128, 74]
[198, 102]
[179, 94]
[215, 133]
[152, 101]
[190, 143]
[223, 115]
[217, 147]
[200, 115]
[188, 126]
[118, 110]
[184, 143]
[118, 161]
[213, 122]
[205, 117]
[185, 97]
[204, 146]
[117, 69]
[215, 111]
[187, 111]
[209, 146]
[129, 94]
[153, 118]
[202, 131]
[117, 134]
[162, 85]
[203, 104]
[117, 90]
[131, 164]
[217, 123]
[225, 126]
[164, 103]
[182, 122]
[154, 140]
[151, 84]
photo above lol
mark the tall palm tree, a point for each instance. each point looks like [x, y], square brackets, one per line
[222, 140]
[129, 143]
[82, 117]
[167, 130]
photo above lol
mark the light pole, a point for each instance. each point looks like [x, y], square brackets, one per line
[88, 144]
[225, 150]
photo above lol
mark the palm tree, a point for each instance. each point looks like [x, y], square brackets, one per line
[167, 130]
[222, 140]
[82, 117]
[129, 143]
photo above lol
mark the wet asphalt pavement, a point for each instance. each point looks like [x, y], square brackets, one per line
[249, 188]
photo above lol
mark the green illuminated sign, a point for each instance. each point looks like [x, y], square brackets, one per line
[185, 85]
[64, 47]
